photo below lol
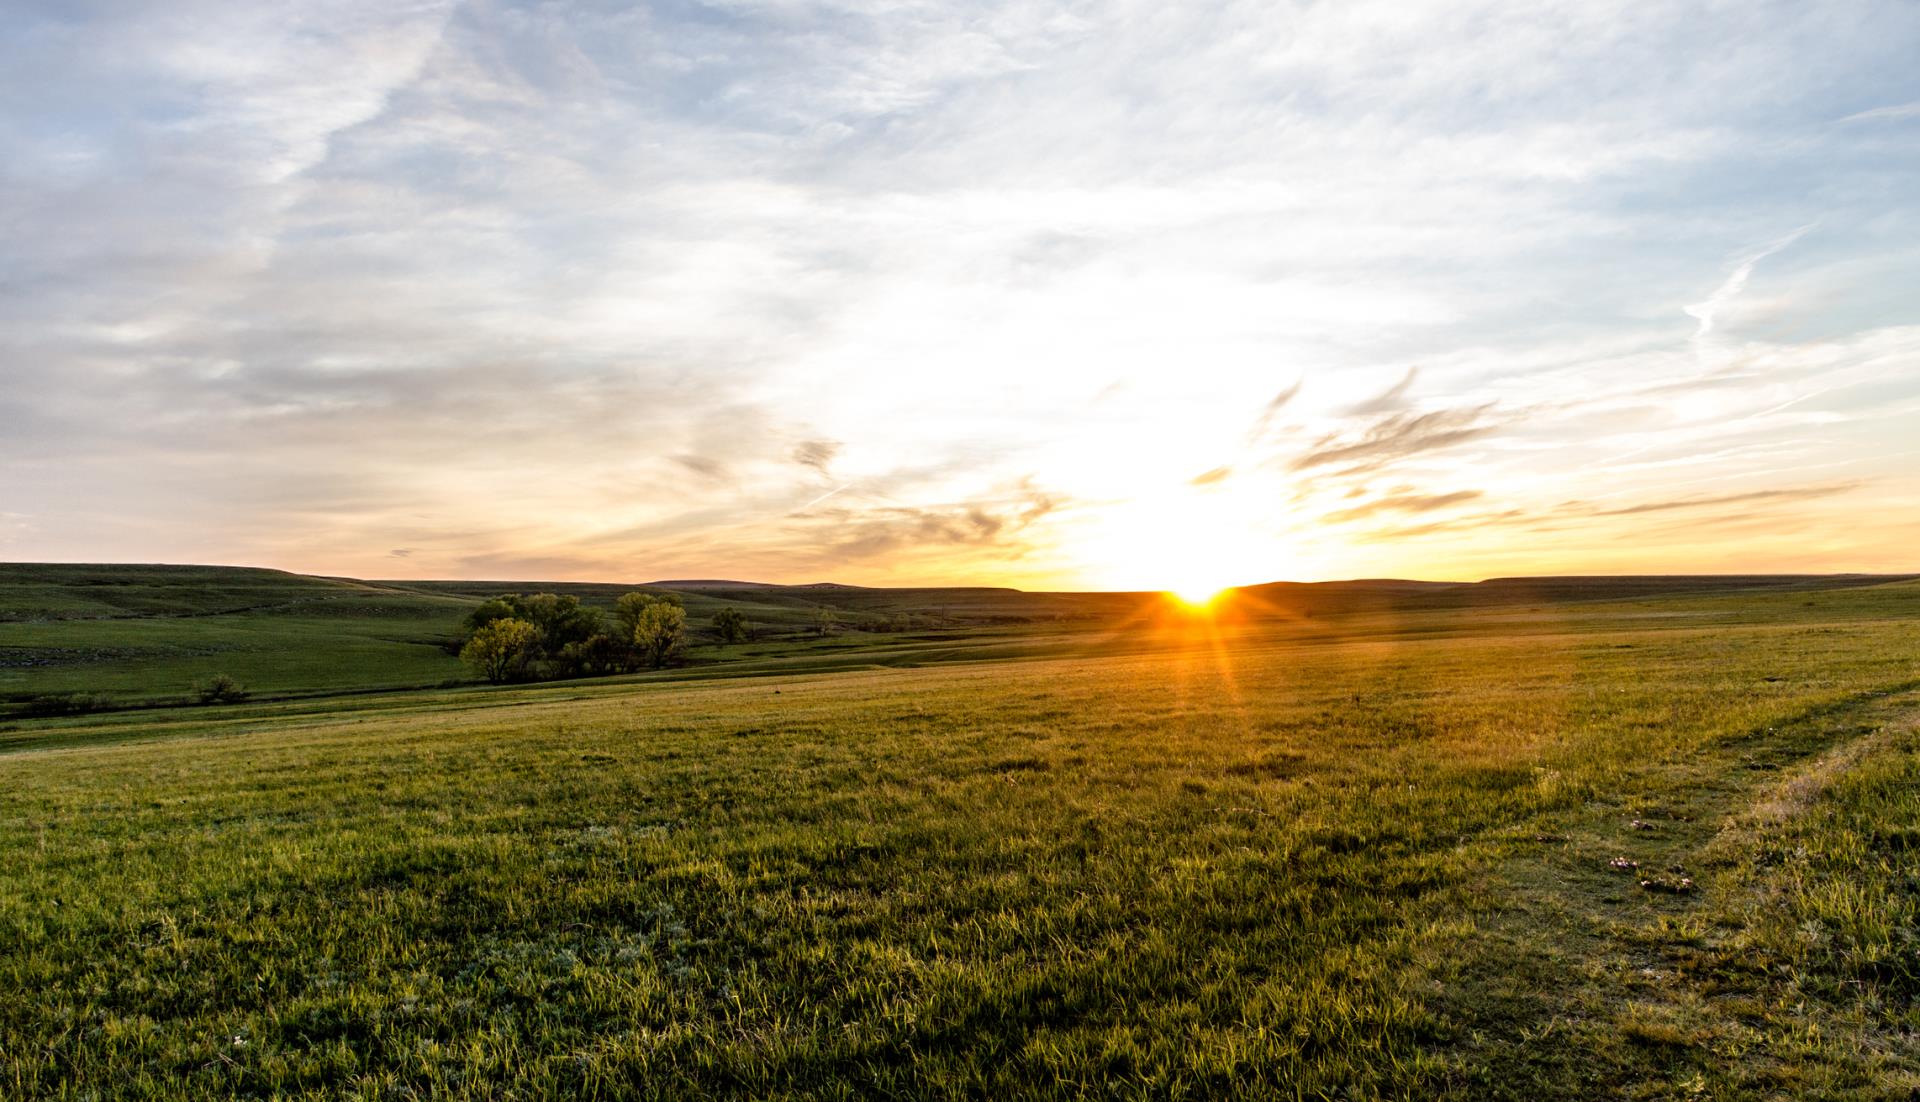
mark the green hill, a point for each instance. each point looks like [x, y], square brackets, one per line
[123, 635]
[131, 634]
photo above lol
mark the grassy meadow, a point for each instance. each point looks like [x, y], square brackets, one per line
[1646, 844]
[146, 636]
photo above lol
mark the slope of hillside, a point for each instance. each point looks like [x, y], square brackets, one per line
[125, 634]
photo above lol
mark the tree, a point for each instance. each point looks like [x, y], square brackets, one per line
[630, 606]
[502, 650]
[824, 621]
[560, 620]
[661, 632]
[498, 608]
[731, 625]
[591, 657]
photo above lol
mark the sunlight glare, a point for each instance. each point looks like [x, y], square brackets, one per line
[1190, 547]
[1198, 596]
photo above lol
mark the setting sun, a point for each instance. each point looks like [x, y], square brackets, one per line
[1198, 596]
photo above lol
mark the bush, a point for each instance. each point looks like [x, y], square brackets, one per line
[221, 689]
[66, 704]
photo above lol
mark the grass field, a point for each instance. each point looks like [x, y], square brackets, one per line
[1369, 852]
[145, 636]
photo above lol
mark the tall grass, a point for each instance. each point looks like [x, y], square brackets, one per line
[1254, 865]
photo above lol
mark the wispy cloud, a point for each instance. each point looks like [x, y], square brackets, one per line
[874, 532]
[1403, 503]
[1890, 111]
[1779, 496]
[1267, 412]
[1397, 436]
[1707, 310]
[816, 454]
[760, 289]
[1391, 400]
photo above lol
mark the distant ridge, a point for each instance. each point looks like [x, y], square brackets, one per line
[1387, 594]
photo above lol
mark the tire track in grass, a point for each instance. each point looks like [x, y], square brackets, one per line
[1614, 958]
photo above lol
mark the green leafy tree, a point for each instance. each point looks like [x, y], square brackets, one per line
[661, 633]
[499, 608]
[731, 625]
[628, 609]
[824, 621]
[561, 620]
[503, 650]
[595, 656]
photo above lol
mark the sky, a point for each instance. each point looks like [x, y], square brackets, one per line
[1055, 295]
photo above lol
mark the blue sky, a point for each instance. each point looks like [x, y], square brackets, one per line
[1047, 294]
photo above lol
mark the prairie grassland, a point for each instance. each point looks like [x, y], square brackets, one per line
[1346, 863]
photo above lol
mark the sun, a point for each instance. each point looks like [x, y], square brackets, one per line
[1193, 549]
[1197, 595]
[1199, 588]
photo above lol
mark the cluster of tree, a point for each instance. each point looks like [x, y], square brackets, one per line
[826, 621]
[526, 636]
[899, 621]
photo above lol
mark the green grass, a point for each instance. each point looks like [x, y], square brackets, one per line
[146, 636]
[143, 636]
[1301, 859]
[149, 634]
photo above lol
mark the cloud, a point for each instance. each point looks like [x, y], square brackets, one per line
[1402, 503]
[704, 466]
[1212, 477]
[816, 454]
[1705, 312]
[1477, 523]
[1396, 437]
[872, 533]
[1390, 400]
[572, 287]
[1274, 405]
[1801, 493]
[1891, 111]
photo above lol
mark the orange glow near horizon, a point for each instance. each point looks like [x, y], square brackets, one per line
[1198, 597]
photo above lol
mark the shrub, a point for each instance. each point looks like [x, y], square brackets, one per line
[66, 704]
[221, 689]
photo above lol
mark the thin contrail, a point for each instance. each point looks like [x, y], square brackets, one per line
[822, 497]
